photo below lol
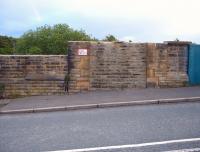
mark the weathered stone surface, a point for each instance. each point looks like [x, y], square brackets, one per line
[107, 65]
[167, 65]
[118, 65]
[80, 67]
[33, 75]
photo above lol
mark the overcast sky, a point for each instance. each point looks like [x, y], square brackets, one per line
[138, 20]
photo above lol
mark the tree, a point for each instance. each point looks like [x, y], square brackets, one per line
[49, 39]
[34, 50]
[7, 45]
[110, 38]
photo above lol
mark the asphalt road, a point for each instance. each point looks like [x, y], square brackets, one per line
[103, 128]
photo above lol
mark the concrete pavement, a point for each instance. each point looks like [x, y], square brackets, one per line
[101, 99]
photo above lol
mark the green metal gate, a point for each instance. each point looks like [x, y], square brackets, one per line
[194, 64]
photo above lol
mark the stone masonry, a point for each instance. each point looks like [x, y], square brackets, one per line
[108, 65]
[79, 67]
[117, 65]
[167, 65]
[104, 65]
[33, 75]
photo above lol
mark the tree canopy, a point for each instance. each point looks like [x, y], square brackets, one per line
[46, 40]
[49, 39]
[110, 38]
[7, 45]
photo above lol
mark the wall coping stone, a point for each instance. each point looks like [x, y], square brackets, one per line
[107, 42]
[30, 55]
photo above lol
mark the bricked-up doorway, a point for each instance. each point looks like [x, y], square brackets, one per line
[194, 64]
[79, 69]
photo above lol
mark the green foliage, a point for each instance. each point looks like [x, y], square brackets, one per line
[7, 45]
[110, 38]
[6, 50]
[34, 50]
[49, 39]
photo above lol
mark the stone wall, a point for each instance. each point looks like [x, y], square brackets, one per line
[167, 65]
[117, 65]
[33, 75]
[107, 65]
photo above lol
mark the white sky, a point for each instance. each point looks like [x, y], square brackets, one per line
[138, 20]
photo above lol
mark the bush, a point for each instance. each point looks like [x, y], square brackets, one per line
[34, 50]
[110, 38]
[6, 50]
[7, 45]
[49, 39]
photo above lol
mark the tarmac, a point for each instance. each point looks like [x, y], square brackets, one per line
[99, 99]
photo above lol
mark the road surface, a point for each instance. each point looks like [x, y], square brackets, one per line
[166, 127]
